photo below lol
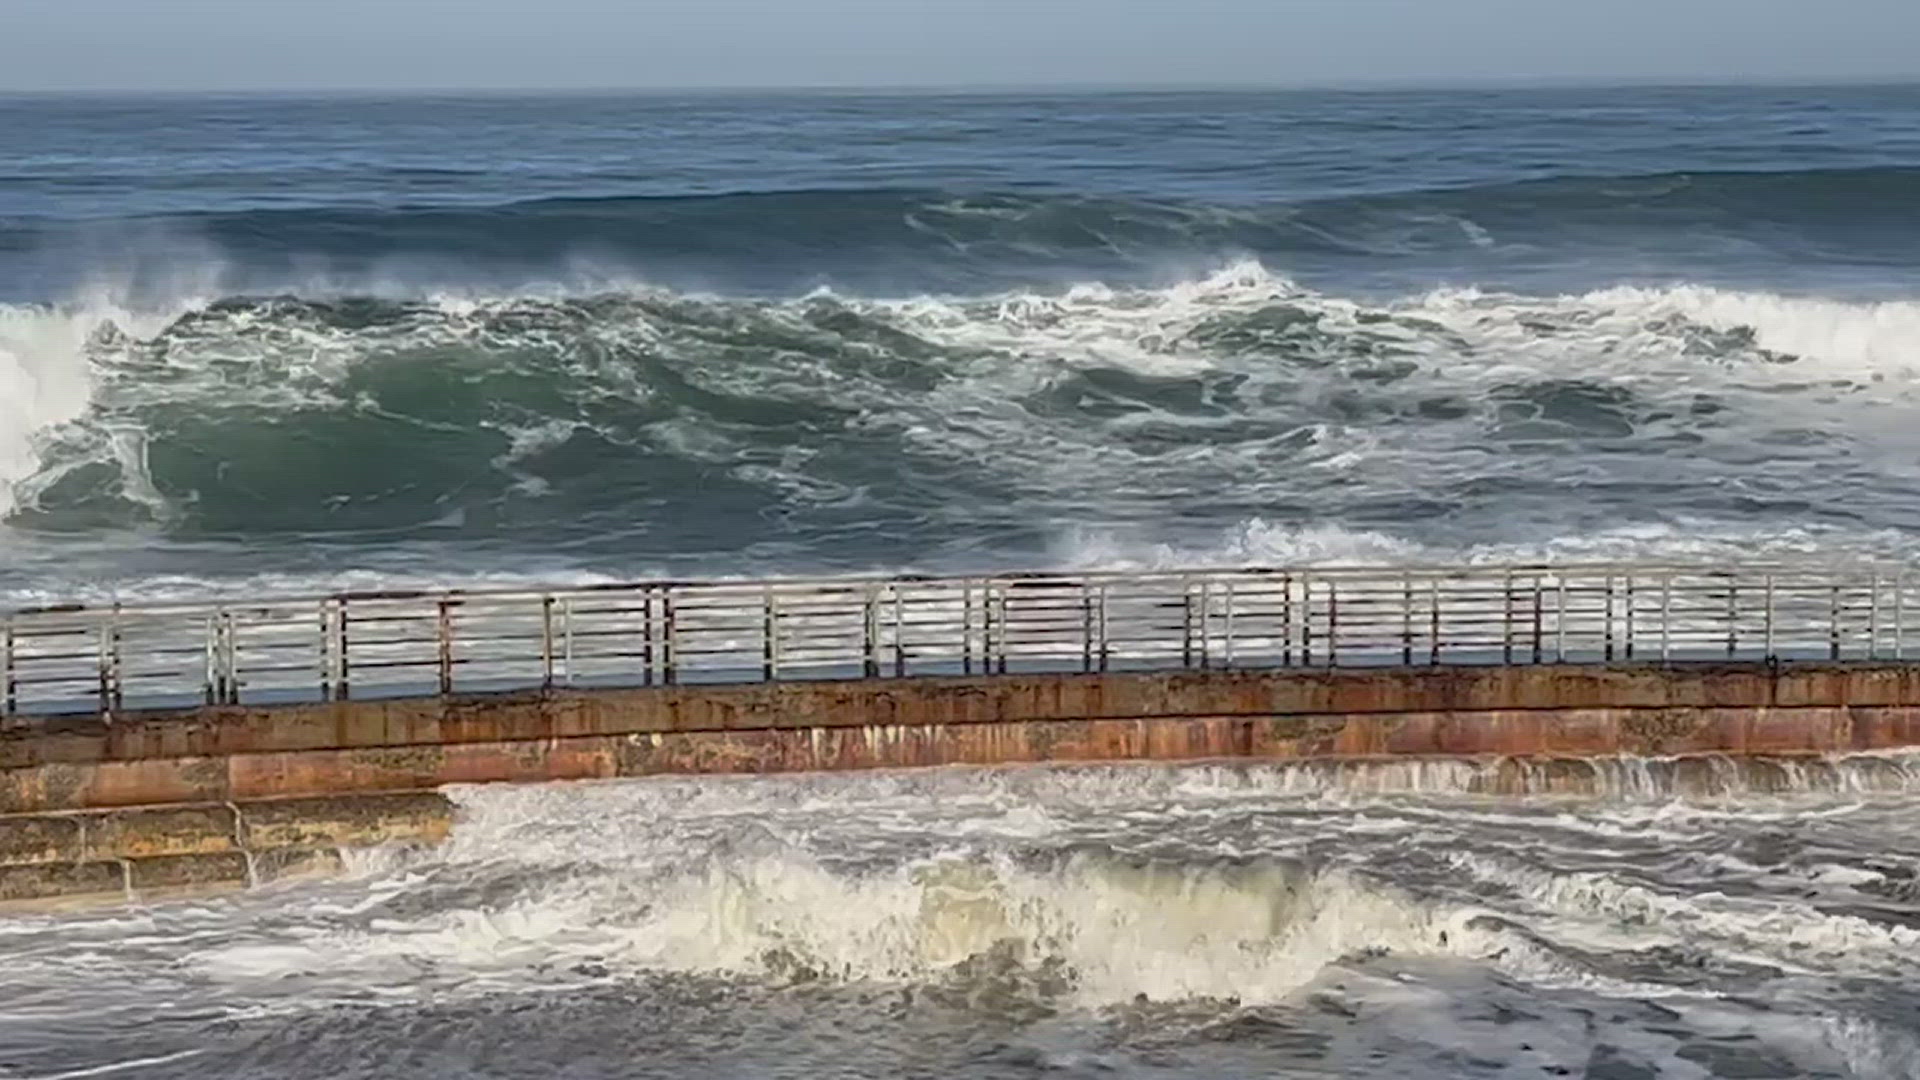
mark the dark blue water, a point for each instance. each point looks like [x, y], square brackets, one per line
[285, 339]
[893, 195]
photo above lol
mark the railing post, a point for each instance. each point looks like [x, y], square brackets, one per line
[1286, 620]
[1433, 630]
[1630, 628]
[650, 660]
[1227, 619]
[546, 644]
[1560, 618]
[1899, 616]
[212, 674]
[1733, 616]
[342, 655]
[1606, 622]
[669, 627]
[566, 638]
[1306, 620]
[444, 636]
[1539, 621]
[109, 636]
[870, 633]
[116, 656]
[1406, 619]
[1873, 618]
[998, 604]
[1833, 620]
[1768, 626]
[326, 651]
[899, 634]
[1206, 631]
[9, 681]
[1666, 618]
[1333, 622]
[1186, 623]
[1506, 618]
[966, 627]
[1106, 642]
[769, 636]
[229, 660]
[1086, 626]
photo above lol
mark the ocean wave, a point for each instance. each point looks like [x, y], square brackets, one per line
[1647, 929]
[852, 212]
[875, 240]
[1153, 909]
[667, 423]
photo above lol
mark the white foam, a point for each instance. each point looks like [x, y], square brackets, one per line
[1091, 888]
[529, 440]
[1762, 930]
[1114, 931]
[114, 1068]
[45, 381]
[1841, 337]
[1258, 542]
[1272, 431]
[727, 879]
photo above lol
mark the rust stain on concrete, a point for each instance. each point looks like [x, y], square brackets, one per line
[168, 830]
[170, 874]
[1485, 733]
[217, 755]
[46, 880]
[566, 714]
[41, 839]
[167, 850]
[345, 821]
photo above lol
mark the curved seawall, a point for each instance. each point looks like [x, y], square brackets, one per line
[332, 723]
[143, 804]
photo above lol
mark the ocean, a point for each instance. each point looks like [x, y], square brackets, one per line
[294, 344]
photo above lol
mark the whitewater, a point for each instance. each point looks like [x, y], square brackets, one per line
[294, 345]
[927, 432]
[1136, 921]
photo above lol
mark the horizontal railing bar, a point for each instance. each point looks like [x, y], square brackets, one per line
[1013, 582]
[747, 630]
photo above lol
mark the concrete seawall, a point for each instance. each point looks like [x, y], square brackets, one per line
[146, 853]
[227, 754]
[142, 804]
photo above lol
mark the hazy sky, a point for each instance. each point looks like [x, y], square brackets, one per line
[383, 44]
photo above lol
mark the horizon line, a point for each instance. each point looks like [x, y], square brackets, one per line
[989, 89]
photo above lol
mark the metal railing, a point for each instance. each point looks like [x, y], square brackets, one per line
[385, 644]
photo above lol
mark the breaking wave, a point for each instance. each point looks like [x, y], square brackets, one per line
[1075, 425]
[1766, 921]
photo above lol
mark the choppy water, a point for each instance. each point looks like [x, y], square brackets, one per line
[290, 343]
[286, 342]
[1131, 922]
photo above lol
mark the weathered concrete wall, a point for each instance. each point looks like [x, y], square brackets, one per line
[1588, 732]
[214, 732]
[150, 851]
[220, 755]
[153, 802]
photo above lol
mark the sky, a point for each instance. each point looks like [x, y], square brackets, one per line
[306, 45]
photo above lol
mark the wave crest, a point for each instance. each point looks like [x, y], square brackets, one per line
[1086, 419]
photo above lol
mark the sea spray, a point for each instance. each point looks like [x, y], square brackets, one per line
[45, 382]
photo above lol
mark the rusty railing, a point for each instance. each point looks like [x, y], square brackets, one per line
[383, 644]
